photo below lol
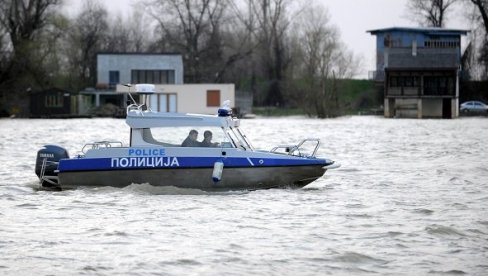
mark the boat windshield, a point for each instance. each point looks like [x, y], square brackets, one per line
[211, 136]
[242, 138]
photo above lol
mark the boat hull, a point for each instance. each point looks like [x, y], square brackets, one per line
[249, 178]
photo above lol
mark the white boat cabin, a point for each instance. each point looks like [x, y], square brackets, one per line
[149, 128]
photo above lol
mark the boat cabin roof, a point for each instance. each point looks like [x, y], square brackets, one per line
[149, 119]
[138, 116]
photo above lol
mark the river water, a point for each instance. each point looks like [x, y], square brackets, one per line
[411, 198]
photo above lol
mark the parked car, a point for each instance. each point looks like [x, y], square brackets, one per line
[474, 107]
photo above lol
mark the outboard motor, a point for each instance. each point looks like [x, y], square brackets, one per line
[47, 164]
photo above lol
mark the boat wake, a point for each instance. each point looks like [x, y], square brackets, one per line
[146, 188]
[136, 188]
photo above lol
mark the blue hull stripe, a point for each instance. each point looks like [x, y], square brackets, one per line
[130, 163]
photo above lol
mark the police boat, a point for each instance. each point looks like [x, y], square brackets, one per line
[166, 150]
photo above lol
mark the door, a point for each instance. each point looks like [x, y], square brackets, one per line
[446, 108]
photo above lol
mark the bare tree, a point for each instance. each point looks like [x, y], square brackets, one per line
[49, 55]
[21, 22]
[482, 58]
[324, 60]
[482, 7]
[271, 30]
[23, 18]
[128, 34]
[138, 31]
[319, 44]
[118, 36]
[5, 52]
[430, 13]
[193, 28]
[475, 57]
[87, 37]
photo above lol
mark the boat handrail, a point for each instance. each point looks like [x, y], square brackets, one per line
[136, 107]
[292, 149]
[132, 107]
[101, 144]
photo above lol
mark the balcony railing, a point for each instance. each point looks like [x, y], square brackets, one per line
[416, 92]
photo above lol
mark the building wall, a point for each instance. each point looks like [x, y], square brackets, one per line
[192, 98]
[404, 39]
[406, 108]
[124, 63]
[432, 108]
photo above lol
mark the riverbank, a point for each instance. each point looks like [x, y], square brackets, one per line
[355, 97]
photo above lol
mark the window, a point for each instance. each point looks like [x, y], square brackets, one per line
[163, 102]
[153, 76]
[439, 85]
[113, 79]
[387, 41]
[394, 82]
[404, 81]
[441, 44]
[174, 136]
[54, 100]
[213, 97]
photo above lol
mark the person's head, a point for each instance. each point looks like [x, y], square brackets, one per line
[207, 135]
[193, 134]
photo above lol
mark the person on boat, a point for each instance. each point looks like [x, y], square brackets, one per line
[191, 140]
[207, 139]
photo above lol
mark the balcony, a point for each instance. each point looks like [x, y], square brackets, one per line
[416, 92]
[423, 58]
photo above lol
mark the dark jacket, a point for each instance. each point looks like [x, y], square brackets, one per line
[190, 143]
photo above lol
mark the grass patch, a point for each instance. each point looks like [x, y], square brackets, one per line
[277, 111]
[354, 96]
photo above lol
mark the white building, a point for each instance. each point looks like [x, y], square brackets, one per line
[115, 68]
[163, 70]
[188, 98]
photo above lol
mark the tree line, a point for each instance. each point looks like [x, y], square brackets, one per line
[287, 53]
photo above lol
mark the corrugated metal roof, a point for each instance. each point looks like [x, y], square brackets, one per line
[427, 30]
[140, 53]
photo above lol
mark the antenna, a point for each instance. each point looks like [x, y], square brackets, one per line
[130, 95]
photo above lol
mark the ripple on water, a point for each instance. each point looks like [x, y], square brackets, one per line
[90, 268]
[358, 258]
[116, 233]
[483, 222]
[477, 231]
[423, 211]
[28, 206]
[449, 272]
[443, 230]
